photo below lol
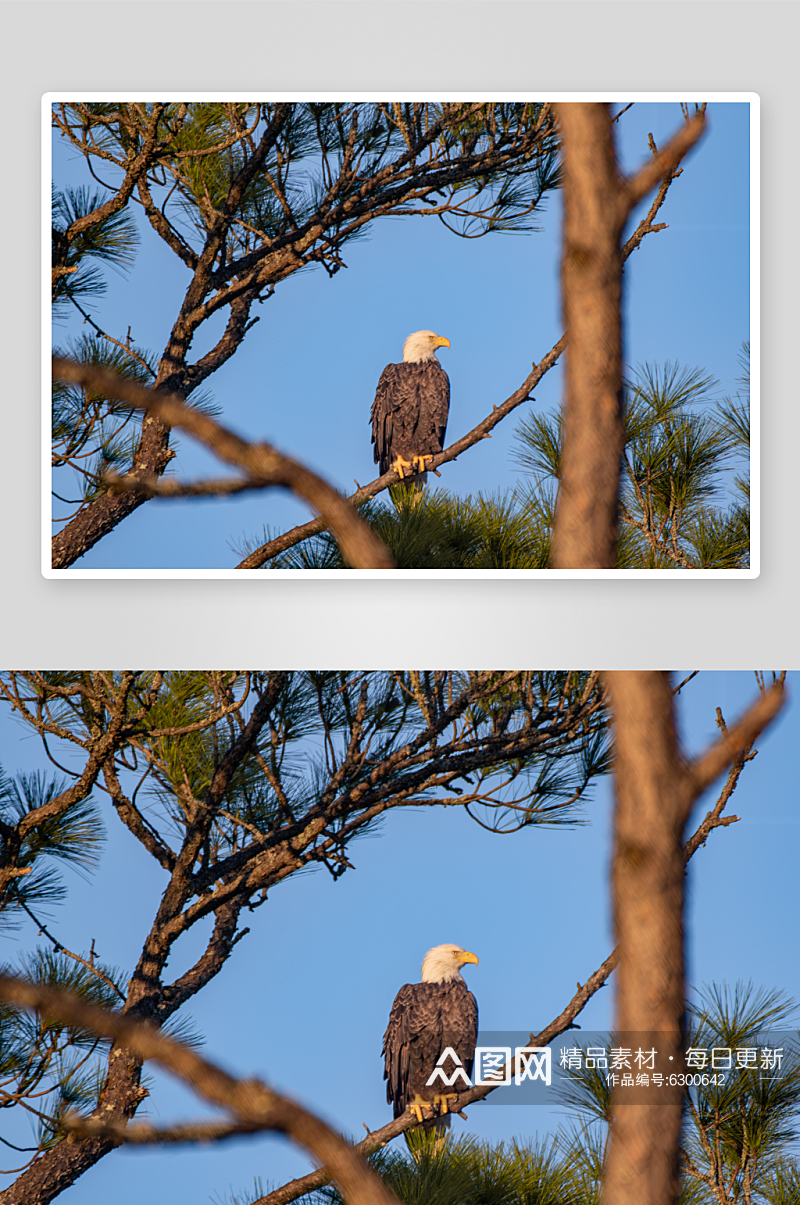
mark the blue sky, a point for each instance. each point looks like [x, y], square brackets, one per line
[305, 998]
[305, 377]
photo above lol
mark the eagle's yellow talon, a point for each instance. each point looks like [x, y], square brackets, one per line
[400, 465]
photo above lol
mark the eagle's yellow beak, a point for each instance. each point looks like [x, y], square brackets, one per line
[466, 956]
[441, 341]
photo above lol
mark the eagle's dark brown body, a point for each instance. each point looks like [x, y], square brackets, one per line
[409, 414]
[425, 1019]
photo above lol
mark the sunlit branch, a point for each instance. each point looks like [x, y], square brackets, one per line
[262, 462]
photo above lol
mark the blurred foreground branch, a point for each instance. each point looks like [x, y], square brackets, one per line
[597, 203]
[263, 464]
[656, 789]
[254, 1106]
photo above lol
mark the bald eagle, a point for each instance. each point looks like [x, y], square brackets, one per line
[409, 414]
[425, 1020]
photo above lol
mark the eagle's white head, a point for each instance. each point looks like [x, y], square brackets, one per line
[422, 346]
[443, 963]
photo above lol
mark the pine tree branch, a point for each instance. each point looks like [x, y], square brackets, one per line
[379, 1138]
[735, 743]
[145, 1134]
[99, 751]
[134, 168]
[663, 163]
[133, 819]
[223, 938]
[272, 548]
[262, 462]
[251, 1102]
[349, 204]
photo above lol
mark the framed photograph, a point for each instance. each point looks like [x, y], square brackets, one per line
[319, 335]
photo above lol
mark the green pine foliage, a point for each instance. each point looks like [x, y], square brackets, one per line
[742, 1131]
[47, 1068]
[92, 433]
[250, 193]
[73, 836]
[465, 1171]
[781, 1186]
[678, 509]
[112, 240]
[740, 1136]
[436, 530]
[735, 415]
[684, 500]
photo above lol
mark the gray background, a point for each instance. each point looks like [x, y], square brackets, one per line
[384, 47]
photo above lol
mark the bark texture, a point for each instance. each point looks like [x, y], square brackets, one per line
[260, 462]
[655, 790]
[591, 287]
[648, 873]
[597, 202]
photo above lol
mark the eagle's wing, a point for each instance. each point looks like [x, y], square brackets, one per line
[467, 1053]
[409, 414]
[441, 407]
[382, 416]
[414, 1026]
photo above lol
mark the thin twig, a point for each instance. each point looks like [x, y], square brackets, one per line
[59, 947]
